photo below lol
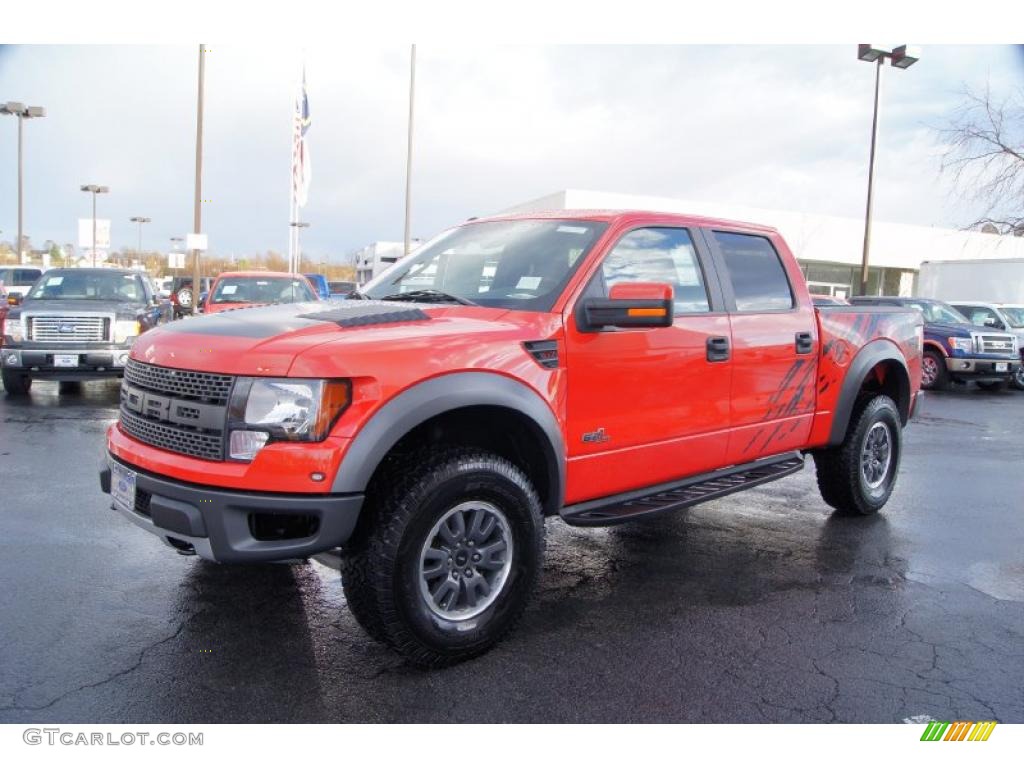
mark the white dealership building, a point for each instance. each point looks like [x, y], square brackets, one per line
[827, 247]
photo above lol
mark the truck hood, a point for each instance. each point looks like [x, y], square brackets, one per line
[307, 338]
[961, 329]
[121, 308]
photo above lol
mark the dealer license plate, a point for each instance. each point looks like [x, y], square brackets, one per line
[65, 361]
[1002, 367]
[122, 486]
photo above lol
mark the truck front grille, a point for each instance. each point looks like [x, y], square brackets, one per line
[190, 442]
[998, 345]
[208, 387]
[176, 410]
[61, 328]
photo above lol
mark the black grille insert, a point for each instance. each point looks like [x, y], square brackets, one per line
[187, 441]
[195, 385]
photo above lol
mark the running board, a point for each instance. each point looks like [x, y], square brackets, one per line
[672, 497]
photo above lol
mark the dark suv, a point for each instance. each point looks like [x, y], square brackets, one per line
[955, 350]
[181, 293]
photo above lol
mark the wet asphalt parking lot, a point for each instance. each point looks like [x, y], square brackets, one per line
[761, 607]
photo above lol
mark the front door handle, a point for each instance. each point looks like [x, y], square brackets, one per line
[718, 349]
[804, 343]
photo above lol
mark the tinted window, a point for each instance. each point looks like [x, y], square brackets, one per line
[659, 255]
[758, 280]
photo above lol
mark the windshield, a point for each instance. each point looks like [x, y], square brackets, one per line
[513, 264]
[254, 289]
[1015, 315]
[938, 312]
[82, 284]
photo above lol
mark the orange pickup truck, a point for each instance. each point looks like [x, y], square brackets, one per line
[597, 366]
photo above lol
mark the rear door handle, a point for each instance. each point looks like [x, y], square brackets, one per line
[804, 343]
[718, 349]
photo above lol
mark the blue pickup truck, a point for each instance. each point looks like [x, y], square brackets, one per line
[955, 350]
[319, 283]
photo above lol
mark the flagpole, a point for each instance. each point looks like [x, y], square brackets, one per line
[408, 155]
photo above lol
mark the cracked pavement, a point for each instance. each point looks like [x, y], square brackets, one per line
[759, 607]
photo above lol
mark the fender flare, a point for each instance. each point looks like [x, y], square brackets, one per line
[875, 352]
[423, 401]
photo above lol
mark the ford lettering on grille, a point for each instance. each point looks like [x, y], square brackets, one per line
[176, 410]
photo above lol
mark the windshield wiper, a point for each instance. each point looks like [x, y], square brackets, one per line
[428, 294]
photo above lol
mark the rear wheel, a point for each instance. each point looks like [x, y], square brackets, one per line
[16, 382]
[933, 371]
[447, 557]
[858, 476]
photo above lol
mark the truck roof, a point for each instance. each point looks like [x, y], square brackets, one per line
[617, 216]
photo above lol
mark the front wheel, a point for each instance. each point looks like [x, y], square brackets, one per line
[16, 382]
[858, 476]
[1018, 376]
[933, 371]
[447, 557]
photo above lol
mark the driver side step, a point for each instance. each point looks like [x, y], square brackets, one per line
[675, 496]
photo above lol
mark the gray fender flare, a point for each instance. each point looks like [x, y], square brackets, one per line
[875, 352]
[445, 393]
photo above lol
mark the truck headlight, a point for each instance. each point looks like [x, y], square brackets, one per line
[15, 329]
[962, 345]
[284, 409]
[125, 329]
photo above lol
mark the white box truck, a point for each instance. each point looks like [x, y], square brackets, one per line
[1000, 281]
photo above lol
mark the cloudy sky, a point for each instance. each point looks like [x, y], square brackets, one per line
[771, 126]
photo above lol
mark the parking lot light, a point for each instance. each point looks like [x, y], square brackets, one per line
[23, 113]
[901, 57]
[95, 189]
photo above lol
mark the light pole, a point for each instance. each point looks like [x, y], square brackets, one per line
[408, 153]
[197, 215]
[901, 58]
[140, 220]
[22, 112]
[95, 189]
[299, 226]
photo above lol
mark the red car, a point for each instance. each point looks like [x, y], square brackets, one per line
[237, 290]
[597, 366]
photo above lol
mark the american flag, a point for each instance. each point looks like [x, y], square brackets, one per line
[300, 147]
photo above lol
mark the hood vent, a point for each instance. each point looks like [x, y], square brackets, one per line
[364, 313]
[544, 352]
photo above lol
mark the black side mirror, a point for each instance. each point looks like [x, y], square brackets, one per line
[629, 305]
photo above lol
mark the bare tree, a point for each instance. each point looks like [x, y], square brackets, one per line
[985, 157]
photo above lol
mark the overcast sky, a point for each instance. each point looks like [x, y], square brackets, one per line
[770, 126]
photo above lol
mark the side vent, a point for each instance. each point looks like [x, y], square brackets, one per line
[544, 352]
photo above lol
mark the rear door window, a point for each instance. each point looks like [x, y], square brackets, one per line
[758, 279]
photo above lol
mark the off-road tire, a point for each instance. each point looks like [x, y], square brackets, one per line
[381, 564]
[15, 382]
[941, 381]
[841, 478]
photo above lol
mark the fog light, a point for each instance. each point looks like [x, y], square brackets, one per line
[122, 359]
[12, 359]
[245, 444]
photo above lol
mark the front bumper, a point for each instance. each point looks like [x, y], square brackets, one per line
[981, 368]
[97, 361]
[229, 526]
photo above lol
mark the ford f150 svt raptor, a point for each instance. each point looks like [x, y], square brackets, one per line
[599, 366]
